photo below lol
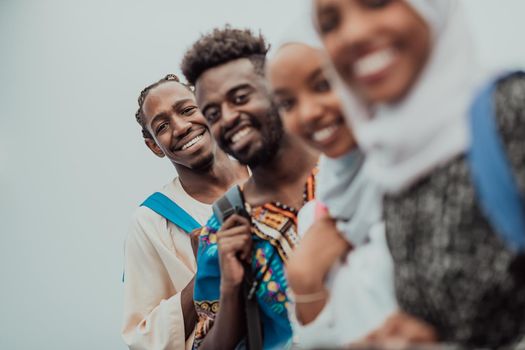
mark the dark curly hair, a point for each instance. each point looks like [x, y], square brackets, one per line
[221, 46]
[139, 115]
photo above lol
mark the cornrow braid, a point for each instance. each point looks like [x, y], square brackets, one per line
[139, 115]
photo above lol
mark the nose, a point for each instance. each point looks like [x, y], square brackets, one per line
[310, 110]
[230, 116]
[355, 31]
[180, 126]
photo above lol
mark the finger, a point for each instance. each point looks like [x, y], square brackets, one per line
[234, 220]
[196, 232]
[371, 337]
[246, 254]
[418, 332]
[386, 330]
[393, 343]
[240, 245]
[235, 231]
[363, 344]
[194, 240]
[390, 329]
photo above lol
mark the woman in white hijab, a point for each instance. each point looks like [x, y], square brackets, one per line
[409, 75]
[339, 296]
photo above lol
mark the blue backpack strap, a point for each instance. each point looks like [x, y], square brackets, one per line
[500, 198]
[167, 208]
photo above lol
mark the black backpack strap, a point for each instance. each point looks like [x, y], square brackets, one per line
[232, 202]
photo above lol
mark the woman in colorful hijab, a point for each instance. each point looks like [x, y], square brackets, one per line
[454, 207]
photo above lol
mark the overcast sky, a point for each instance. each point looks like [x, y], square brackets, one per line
[72, 162]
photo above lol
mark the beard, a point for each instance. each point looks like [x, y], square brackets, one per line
[204, 163]
[271, 133]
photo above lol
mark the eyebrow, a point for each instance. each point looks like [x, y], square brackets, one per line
[325, 9]
[280, 92]
[309, 79]
[229, 94]
[176, 106]
[315, 74]
[236, 88]
[158, 116]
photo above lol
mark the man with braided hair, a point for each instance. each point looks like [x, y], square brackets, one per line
[159, 258]
[227, 69]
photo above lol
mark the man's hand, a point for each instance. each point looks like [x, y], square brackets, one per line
[234, 242]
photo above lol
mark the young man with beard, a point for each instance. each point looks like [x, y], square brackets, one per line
[227, 69]
[160, 263]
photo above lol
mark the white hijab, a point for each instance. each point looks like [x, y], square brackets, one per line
[406, 141]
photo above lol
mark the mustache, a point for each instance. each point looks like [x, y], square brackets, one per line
[254, 122]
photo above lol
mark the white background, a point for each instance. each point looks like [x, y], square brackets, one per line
[72, 163]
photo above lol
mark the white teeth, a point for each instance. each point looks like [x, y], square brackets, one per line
[191, 142]
[324, 134]
[373, 62]
[240, 134]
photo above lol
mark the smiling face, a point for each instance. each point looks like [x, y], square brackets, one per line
[378, 47]
[308, 105]
[237, 106]
[178, 128]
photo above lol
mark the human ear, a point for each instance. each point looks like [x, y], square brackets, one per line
[152, 145]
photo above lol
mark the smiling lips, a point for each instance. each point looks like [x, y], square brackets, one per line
[239, 135]
[324, 134]
[191, 142]
[373, 63]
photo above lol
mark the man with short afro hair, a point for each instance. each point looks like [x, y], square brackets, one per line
[226, 67]
[221, 46]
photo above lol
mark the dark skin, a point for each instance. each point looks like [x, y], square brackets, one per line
[234, 238]
[282, 180]
[173, 119]
[308, 105]
[205, 172]
[401, 330]
[208, 186]
[236, 103]
[235, 244]
[188, 309]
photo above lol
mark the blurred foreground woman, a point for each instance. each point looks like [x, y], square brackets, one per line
[447, 143]
[341, 274]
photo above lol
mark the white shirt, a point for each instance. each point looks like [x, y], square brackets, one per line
[361, 294]
[159, 263]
